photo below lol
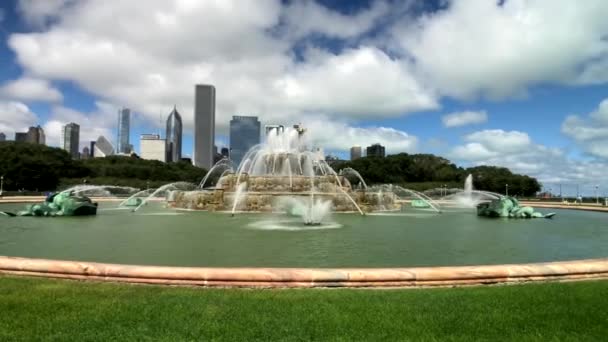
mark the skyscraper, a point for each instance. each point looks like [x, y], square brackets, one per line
[204, 125]
[92, 149]
[174, 137]
[2, 137]
[244, 134]
[35, 135]
[124, 124]
[375, 150]
[20, 137]
[355, 152]
[71, 139]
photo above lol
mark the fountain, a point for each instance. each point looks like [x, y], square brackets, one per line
[469, 197]
[284, 166]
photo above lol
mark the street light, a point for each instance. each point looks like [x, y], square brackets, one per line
[597, 198]
[506, 189]
[1, 184]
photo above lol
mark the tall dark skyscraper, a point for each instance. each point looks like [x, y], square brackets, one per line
[375, 150]
[204, 125]
[174, 137]
[92, 149]
[124, 125]
[20, 137]
[244, 134]
[71, 139]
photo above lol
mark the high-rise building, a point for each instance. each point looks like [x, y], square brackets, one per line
[2, 137]
[71, 139]
[124, 125]
[152, 147]
[204, 125]
[102, 147]
[20, 136]
[92, 149]
[85, 153]
[35, 135]
[355, 152]
[375, 150]
[174, 137]
[244, 134]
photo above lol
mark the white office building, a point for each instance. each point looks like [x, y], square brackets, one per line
[152, 147]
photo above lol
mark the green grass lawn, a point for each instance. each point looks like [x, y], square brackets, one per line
[41, 309]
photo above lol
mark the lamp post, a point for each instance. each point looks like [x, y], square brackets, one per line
[1, 184]
[445, 190]
[506, 189]
[597, 198]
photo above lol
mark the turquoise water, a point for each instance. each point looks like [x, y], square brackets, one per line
[158, 236]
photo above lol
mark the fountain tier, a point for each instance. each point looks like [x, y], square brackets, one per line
[263, 194]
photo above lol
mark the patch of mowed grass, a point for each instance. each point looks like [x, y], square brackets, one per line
[45, 309]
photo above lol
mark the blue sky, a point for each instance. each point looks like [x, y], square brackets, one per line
[523, 81]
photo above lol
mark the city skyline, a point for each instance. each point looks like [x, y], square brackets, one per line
[363, 73]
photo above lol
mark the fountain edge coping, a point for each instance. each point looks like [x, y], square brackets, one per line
[308, 277]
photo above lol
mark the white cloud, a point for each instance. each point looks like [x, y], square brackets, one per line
[39, 13]
[27, 88]
[516, 150]
[336, 135]
[590, 133]
[15, 117]
[464, 118]
[307, 17]
[478, 47]
[155, 64]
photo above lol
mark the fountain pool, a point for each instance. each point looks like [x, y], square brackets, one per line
[156, 235]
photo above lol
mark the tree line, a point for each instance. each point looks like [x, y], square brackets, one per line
[35, 167]
[427, 171]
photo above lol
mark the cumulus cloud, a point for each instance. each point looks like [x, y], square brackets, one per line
[591, 132]
[307, 17]
[15, 117]
[156, 63]
[336, 135]
[499, 49]
[516, 150]
[27, 88]
[464, 118]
